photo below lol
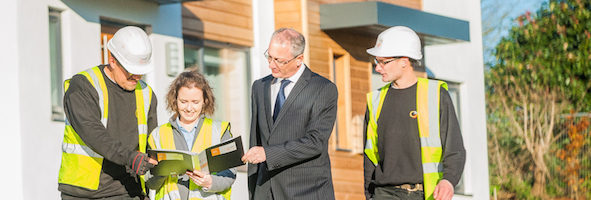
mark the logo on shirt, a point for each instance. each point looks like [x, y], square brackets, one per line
[413, 114]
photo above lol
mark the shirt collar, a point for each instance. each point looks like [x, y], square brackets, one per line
[295, 77]
[178, 123]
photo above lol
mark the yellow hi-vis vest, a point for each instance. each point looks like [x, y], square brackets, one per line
[81, 166]
[428, 92]
[211, 133]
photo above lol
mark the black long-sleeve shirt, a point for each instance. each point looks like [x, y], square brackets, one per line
[118, 143]
[399, 145]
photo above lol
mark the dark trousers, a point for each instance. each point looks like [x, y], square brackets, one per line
[391, 193]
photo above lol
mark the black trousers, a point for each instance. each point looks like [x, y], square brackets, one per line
[392, 193]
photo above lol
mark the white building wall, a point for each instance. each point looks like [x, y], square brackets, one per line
[463, 63]
[263, 27]
[10, 117]
[35, 141]
[41, 137]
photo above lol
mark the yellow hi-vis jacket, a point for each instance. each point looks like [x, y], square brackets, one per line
[81, 166]
[428, 99]
[162, 138]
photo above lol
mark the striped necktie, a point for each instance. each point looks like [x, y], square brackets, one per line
[280, 98]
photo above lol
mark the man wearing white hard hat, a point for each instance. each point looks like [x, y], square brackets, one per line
[109, 112]
[413, 145]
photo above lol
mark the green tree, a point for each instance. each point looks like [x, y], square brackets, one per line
[551, 49]
[542, 70]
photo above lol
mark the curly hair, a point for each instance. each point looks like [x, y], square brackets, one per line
[190, 79]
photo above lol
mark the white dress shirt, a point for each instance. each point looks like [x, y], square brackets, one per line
[276, 85]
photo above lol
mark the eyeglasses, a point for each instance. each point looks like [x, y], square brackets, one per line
[277, 61]
[128, 75]
[384, 62]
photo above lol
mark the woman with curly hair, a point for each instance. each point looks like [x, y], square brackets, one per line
[191, 100]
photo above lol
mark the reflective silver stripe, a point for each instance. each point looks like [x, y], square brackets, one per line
[216, 135]
[146, 92]
[432, 168]
[142, 128]
[433, 103]
[172, 195]
[434, 139]
[431, 141]
[204, 195]
[375, 102]
[368, 144]
[99, 91]
[156, 136]
[152, 194]
[80, 150]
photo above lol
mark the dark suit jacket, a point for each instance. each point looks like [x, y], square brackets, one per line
[296, 145]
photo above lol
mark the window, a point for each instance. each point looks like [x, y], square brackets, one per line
[227, 70]
[454, 94]
[376, 79]
[55, 65]
[348, 131]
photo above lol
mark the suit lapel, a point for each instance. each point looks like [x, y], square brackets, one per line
[297, 88]
[267, 103]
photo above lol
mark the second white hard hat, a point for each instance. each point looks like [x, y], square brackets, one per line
[397, 41]
[133, 49]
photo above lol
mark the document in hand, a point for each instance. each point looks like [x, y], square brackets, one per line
[216, 158]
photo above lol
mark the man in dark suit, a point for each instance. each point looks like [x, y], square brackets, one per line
[293, 113]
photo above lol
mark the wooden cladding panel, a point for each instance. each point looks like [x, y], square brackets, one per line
[346, 160]
[222, 21]
[232, 19]
[288, 13]
[245, 2]
[347, 186]
[414, 4]
[347, 175]
[288, 17]
[212, 31]
[287, 6]
[224, 6]
[349, 196]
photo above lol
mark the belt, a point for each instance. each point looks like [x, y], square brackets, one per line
[410, 187]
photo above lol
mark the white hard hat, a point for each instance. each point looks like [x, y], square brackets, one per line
[132, 48]
[397, 41]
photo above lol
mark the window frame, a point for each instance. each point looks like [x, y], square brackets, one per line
[456, 87]
[56, 64]
[199, 46]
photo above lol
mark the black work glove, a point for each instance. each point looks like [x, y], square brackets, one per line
[139, 164]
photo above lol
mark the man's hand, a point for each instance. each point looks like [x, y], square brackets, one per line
[444, 190]
[254, 155]
[200, 178]
[141, 163]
